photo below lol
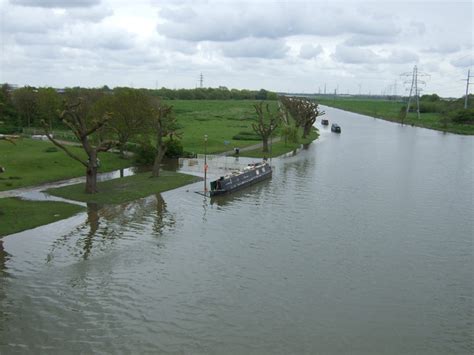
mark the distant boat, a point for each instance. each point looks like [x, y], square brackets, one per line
[335, 128]
[241, 178]
[324, 122]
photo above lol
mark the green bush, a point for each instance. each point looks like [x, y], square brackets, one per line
[51, 150]
[465, 116]
[144, 154]
[9, 129]
[174, 149]
[247, 136]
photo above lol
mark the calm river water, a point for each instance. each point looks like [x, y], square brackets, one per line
[360, 244]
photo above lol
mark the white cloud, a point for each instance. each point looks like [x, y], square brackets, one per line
[278, 45]
[355, 55]
[56, 3]
[465, 61]
[309, 51]
[254, 48]
[223, 22]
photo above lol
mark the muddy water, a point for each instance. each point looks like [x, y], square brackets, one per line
[362, 243]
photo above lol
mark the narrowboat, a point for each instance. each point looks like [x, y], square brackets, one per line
[335, 128]
[239, 179]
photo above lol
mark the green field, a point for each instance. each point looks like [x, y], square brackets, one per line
[125, 189]
[390, 111]
[17, 215]
[31, 162]
[220, 120]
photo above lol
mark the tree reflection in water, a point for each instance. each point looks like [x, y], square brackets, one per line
[4, 256]
[108, 225]
[93, 222]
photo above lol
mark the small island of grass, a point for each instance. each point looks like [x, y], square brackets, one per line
[125, 189]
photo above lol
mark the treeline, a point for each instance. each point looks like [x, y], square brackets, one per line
[27, 106]
[451, 109]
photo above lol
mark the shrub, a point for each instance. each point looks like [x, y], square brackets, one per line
[174, 149]
[144, 154]
[247, 136]
[465, 116]
[51, 150]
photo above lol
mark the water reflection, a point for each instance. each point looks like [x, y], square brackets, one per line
[93, 222]
[112, 226]
[161, 219]
[4, 256]
[237, 196]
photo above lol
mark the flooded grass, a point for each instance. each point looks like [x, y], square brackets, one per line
[279, 148]
[17, 215]
[125, 189]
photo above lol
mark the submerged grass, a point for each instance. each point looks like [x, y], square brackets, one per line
[18, 215]
[125, 189]
[280, 147]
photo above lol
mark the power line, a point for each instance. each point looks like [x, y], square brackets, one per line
[414, 88]
[467, 87]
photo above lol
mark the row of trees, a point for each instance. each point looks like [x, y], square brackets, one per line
[220, 93]
[102, 121]
[292, 114]
[28, 106]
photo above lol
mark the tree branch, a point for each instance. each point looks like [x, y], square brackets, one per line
[61, 146]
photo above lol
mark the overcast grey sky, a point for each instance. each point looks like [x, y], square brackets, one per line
[299, 46]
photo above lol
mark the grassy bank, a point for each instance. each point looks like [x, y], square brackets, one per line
[390, 111]
[221, 120]
[31, 162]
[18, 215]
[280, 148]
[126, 189]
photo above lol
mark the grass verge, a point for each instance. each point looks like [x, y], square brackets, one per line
[280, 148]
[17, 215]
[126, 189]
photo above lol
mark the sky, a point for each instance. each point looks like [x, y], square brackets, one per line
[346, 46]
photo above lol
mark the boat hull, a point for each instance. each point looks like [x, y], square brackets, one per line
[226, 185]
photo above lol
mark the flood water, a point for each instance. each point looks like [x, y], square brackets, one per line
[362, 243]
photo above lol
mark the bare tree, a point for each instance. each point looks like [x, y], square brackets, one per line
[164, 126]
[303, 111]
[266, 124]
[75, 117]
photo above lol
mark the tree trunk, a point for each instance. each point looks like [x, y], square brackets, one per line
[91, 178]
[156, 164]
[265, 144]
[307, 130]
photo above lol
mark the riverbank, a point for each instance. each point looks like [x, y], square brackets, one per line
[389, 110]
[17, 215]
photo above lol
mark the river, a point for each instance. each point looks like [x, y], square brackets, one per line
[361, 243]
